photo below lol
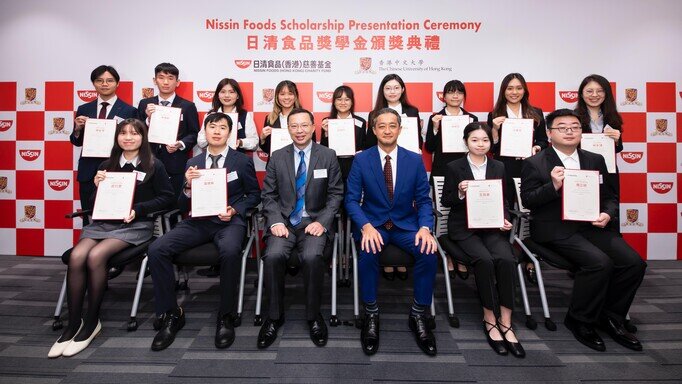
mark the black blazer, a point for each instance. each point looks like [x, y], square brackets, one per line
[187, 133]
[243, 193]
[435, 146]
[87, 166]
[512, 165]
[457, 171]
[538, 194]
[370, 139]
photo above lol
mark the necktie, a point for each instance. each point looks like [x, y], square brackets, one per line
[388, 177]
[165, 103]
[103, 111]
[214, 160]
[301, 174]
[128, 167]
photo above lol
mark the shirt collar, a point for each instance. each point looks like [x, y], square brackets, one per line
[122, 161]
[223, 153]
[170, 99]
[393, 153]
[398, 108]
[447, 113]
[563, 157]
[485, 162]
[111, 101]
[305, 150]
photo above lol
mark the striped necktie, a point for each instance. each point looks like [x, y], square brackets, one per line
[301, 173]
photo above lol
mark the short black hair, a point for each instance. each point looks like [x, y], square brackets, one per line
[560, 113]
[476, 126]
[384, 111]
[454, 86]
[217, 116]
[296, 111]
[167, 68]
[99, 71]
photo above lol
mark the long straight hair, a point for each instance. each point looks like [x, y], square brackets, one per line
[216, 104]
[145, 153]
[381, 101]
[338, 92]
[608, 106]
[500, 108]
[276, 106]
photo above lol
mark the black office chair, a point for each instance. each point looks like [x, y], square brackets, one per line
[125, 257]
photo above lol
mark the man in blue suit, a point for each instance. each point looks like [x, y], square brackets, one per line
[107, 106]
[396, 209]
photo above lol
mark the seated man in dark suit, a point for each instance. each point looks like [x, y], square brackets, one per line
[226, 231]
[396, 209]
[609, 271]
[105, 78]
[302, 192]
[174, 157]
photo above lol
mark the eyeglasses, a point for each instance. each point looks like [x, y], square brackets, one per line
[102, 81]
[295, 127]
[567, 128]
[591, 92]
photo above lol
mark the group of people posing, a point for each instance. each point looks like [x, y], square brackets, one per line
[384, 189]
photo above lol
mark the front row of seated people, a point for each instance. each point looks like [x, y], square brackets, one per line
[387, 199]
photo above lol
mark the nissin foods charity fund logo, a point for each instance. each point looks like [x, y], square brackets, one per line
[662, 187]
[325, 97]
[242, 64]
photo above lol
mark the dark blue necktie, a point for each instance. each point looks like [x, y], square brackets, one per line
[301, 173]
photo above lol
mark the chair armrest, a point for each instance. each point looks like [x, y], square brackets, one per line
[521, 214]
[437, 213]
[78, 214]
[156, 214]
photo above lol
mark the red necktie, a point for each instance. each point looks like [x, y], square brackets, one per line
[388, 177]
[103, 111]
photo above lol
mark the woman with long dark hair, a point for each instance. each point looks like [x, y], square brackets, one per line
[102, 239]
[286, 99]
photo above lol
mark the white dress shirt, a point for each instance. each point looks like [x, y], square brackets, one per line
[111, 102]
[571, 161]
[394, 162]
[123, 161]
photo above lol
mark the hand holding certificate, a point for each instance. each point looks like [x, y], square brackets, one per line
[453, 133]
[280, 138]
[485, 207]
[517, 138]
[98, 137]
[601, 144]
[209, 192]
[409, 134]
[580, 195]
[163, 125]
[341, 136]
[114, 198]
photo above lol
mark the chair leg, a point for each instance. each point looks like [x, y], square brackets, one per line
[356, 305]
[549, 324]
[452, 319]
[57, 323]
[530, 322]
[242, 281]
[258, 319]
[132, 324]
[334, 320]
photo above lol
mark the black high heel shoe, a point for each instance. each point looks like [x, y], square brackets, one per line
[497, 345]
[515, 348]
[462, 274]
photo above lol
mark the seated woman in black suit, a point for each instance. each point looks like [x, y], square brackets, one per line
[487, 250]
[102, 239]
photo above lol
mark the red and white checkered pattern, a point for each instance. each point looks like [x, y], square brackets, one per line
[38, 162]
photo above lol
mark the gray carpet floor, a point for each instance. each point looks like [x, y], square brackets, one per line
[29, 288]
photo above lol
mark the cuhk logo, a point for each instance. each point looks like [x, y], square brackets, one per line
[147, 92]
[87, 95]
[242, 64]
[662, 187]
[365, 65]
[5, 125]
[632, 157]
[325, 97]
[29, 154]
[439, 95]
[569, 96]
[205, 96]
[268, 95]
[58, 184]
[630, 97]
[30, 214]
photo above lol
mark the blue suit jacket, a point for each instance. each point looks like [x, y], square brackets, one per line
[243, 193]
[87, 166]
[411, 207]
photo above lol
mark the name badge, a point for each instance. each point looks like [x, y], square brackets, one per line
[320, 174]
[232, 176]
[601, 179]
[181, 118]
[118, 119]
[140, 175]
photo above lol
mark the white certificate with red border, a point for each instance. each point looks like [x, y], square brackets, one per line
[580, 195]
[603, 145]
[452, 136]
[341, 134]
[516, 138]
[209, 193]
[114, 198]
[164, 124]
[485, 206]
[279, 138]
[409, 134]
[98, 137]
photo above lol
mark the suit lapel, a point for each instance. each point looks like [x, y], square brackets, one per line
[290, 166]
[467, 174]
[400, 182]
[114, 109]
[314, 152]
[375, 165]
[229, 160]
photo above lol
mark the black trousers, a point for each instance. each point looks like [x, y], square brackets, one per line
[494, 265]
[609, 273]
[299, 249]
[189, 234]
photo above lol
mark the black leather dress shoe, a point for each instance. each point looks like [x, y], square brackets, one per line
[531, 274]
[318, 331]
[293, 270]
[515, 348]
[224, 331]
[390, 276]
[497, 345]
[369, 336]
[173, 321]
[619, 334]
[422, 334]
[585, 333]
[402, 275]
[268, 332]
[113, 272]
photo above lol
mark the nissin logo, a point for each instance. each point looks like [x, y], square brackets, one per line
[29, 154]
[242, 63]
[87, 95]
[58, 184]
[325, 97]
[205, 96]
[662, 187]
[632, 157]
[569, 96]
